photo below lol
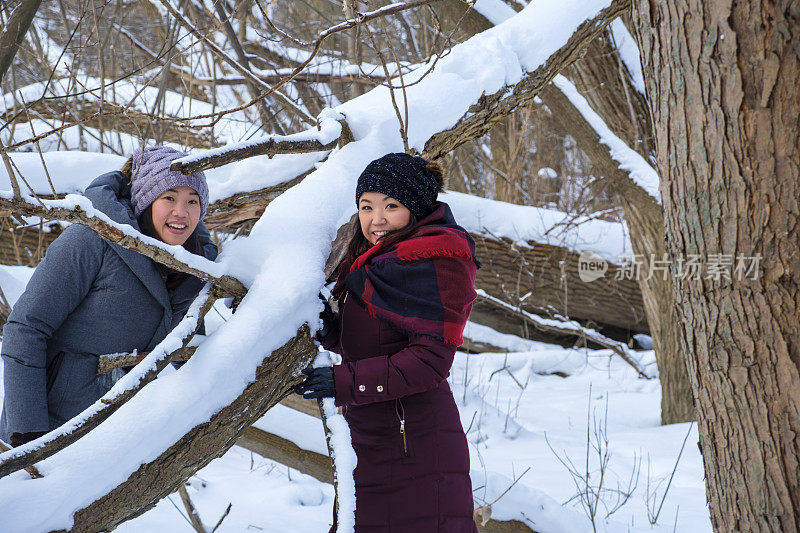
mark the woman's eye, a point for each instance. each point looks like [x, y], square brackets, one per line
[193, 201]
[170, 198]
[366, 208]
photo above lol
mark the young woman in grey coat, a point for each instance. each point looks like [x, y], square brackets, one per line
[89, 297]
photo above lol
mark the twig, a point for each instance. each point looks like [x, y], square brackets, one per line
[194, 518]
[10, 170]
[34, 473]
[509, 487]
[221, 518]
[246, 72]
[654, 518]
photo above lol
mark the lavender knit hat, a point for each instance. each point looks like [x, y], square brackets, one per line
[152, 177]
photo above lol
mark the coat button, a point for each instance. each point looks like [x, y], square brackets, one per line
[362, 388]
[380, 388]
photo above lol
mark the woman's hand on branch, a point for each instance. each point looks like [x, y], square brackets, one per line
[328, 319]
[318, 384]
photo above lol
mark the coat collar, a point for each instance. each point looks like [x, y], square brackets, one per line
[110, 193]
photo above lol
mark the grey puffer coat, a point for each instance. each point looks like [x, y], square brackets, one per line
[87, 297]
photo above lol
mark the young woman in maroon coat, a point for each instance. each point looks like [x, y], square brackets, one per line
[404, 294]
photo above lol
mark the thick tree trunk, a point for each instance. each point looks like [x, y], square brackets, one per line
[722, 83]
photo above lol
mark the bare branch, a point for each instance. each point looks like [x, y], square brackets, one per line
[107, 363]
[246, 72]
[271, 145]
[194, 517]
[12, 176]
[34, 473]
[15, 30]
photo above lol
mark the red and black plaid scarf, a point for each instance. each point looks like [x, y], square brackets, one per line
[423, 285]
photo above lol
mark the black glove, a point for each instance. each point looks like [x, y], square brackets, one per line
[318, 383]
[328, 319]
[18, 439]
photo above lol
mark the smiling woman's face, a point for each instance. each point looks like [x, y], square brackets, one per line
[380, 214]
[176, 214]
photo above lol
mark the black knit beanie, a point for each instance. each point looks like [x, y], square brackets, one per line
[403, 177]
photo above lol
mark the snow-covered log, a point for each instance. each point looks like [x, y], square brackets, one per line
[544, 279]
[162, 475]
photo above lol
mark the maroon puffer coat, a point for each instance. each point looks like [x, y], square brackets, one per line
[412, 474]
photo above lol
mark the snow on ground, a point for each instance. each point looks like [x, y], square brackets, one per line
[265, 497]
[510, 402]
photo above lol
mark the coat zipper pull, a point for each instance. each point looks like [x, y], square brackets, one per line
[403, 433]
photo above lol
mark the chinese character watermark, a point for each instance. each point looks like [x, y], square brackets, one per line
[637, 267]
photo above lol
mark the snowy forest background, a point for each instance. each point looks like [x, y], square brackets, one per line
[657, 140]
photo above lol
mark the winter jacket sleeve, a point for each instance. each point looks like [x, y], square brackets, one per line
[60, 283]
[421, 366]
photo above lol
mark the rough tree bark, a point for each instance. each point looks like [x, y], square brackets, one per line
[721, 78]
